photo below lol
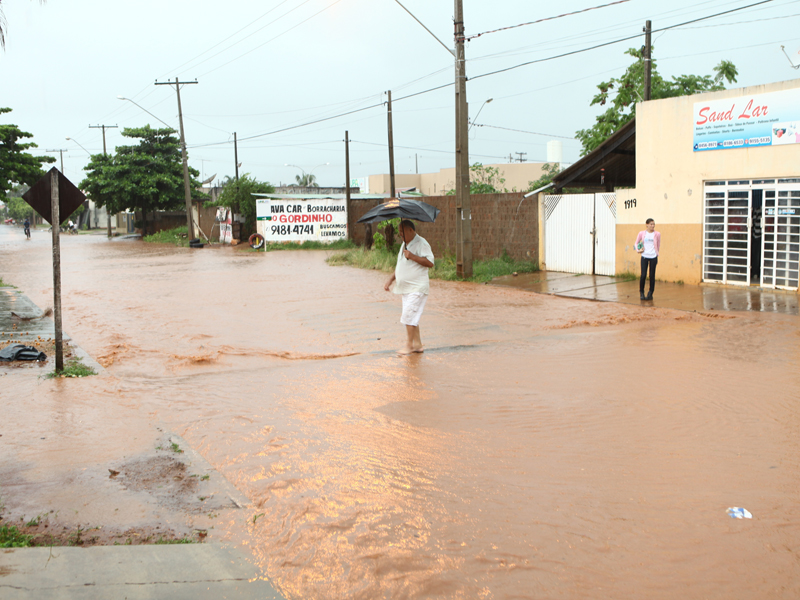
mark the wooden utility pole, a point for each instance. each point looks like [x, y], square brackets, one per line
[108, 212]
[647, 61]
[55, 221]
[61, 152]
[347, 180]
[236, 155]
[186, 186]
[393, 188]
[463, 205]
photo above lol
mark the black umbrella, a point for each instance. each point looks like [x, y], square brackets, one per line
[403, 208]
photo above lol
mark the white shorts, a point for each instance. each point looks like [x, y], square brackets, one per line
[413, 305]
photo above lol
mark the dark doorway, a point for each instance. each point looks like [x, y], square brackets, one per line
[755, 237]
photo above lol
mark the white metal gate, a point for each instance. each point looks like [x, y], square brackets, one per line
[572, 223]
[751, 232]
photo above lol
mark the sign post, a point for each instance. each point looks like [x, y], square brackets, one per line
[56, 229]
[52, 196]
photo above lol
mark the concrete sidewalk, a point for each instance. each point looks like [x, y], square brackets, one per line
[703, 297]
[177, 572]
[27, 323]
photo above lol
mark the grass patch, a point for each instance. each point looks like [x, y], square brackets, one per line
[183, 540]
[309, 245]
[73, 368]
[11, 537]
[627, 276]
[176, 449]
[444, 267]
[176, 237]
[4, 284]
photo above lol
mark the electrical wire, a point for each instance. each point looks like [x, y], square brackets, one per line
[272, 39]
[569, 14]
[617, 41]
[563, 137]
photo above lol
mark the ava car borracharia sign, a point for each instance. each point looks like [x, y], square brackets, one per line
[301, 220]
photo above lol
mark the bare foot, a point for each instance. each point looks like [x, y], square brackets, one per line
[419, 350]
[405, 351]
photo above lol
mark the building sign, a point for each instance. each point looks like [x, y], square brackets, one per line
[762, 120]
[301, 220]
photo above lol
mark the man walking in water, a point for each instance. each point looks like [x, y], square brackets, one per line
[410, 279]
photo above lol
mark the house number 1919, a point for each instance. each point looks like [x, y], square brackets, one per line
[630, 203]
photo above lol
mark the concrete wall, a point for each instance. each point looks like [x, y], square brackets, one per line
[670, 176]
[517, 176]
[499, 222]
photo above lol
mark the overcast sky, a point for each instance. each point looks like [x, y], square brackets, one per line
[267, 65]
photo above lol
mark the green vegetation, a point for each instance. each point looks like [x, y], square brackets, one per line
[183, 540]
[310, 245]
[444, 267]
[18, 166]
[175, 448]
[629, 89]
[627, 276]
[11, 537]
[73, 368]
[205, 477]
[177, 237]
[238, 196]
[484, 180]
[4, 284]
[144, 177]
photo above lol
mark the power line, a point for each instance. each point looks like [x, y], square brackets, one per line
[272, 39]
[563, 137]
[617, 41]
[569, 14]
[313, 122]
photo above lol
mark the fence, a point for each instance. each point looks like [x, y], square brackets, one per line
[500, 222]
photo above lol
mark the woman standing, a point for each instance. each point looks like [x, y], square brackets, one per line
[648, 243]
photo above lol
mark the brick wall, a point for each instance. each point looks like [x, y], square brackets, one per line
[499, 222]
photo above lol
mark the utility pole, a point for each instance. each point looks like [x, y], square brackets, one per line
[416, 164]
[463, 205]
[61, 152]
[55, 222]
[647, 61]
[522, 156]
[103, 127]
[347, 180]
[186, 188]
[236, 155]
[391, 149]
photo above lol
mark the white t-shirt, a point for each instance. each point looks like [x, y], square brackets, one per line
[649, 245]
[410, 276]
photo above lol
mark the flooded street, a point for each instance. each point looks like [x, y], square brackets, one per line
[541, 447]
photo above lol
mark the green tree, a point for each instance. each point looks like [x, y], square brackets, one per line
[484, 180]
[623, 93]
[238, 196]
[16, 165]
[146, 177]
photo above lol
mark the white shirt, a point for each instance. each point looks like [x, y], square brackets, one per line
[649, 245]
[410, 276]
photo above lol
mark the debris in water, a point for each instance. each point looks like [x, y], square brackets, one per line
[739, 513]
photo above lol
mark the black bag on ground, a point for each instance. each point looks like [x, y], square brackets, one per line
[21, 352]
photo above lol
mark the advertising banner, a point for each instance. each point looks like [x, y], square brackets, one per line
[301, 220]
[761, 120]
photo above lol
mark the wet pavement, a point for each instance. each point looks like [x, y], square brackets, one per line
[541, 447]
[704, 297]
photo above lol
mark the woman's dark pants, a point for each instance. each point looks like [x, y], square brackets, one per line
[648, 263]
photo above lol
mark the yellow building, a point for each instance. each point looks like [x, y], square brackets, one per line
[719, 173]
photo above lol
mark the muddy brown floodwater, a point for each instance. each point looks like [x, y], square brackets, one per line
[542, 447]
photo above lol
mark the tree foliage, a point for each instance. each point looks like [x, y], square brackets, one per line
[622, 94]
[484, 180]
[307, 180]
[16, 165]
[238, 195]
[147, 176]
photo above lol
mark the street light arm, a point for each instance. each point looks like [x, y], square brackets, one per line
[145, 110]
[79, 144]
